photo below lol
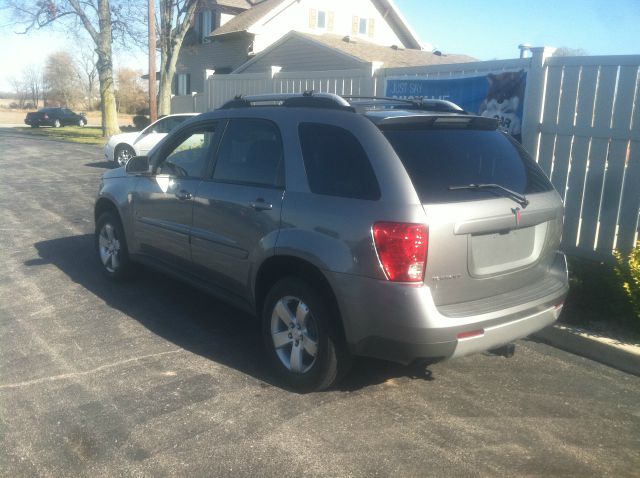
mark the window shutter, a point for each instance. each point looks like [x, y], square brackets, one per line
[330, 22]
[313, 18]
[188, 75]
[370, 30]
[355, 25]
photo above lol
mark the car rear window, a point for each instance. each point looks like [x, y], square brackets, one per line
[336, 163]
[436, 159]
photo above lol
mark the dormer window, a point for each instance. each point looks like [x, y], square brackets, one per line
[362, 26]
[320, 20]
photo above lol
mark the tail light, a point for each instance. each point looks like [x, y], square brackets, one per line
[402, 250]
[46, 116]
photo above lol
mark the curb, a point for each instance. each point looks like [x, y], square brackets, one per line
[604, 350]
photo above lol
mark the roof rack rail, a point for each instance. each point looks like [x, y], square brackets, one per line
[308, 99]
[419, 103]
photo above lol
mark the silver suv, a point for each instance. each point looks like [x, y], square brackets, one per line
[401, 230]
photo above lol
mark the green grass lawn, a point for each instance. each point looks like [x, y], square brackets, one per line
[74, 134]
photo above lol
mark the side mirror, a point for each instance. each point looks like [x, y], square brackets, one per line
[138, 165]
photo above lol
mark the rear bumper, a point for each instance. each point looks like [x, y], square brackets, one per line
[400, 322]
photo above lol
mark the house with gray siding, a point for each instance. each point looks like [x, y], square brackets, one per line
[232, 36]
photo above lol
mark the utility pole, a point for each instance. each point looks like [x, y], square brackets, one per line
[153, 96]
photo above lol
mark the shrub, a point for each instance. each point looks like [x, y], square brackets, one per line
[140, 121]
[628, 271]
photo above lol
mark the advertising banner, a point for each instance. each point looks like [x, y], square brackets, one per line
[495, 95]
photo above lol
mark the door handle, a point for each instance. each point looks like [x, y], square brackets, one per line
[183, 195]
[260, 205]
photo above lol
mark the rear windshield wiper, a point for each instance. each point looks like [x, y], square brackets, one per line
[517, 197]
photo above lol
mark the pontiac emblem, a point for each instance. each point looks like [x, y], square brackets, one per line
[518, 213]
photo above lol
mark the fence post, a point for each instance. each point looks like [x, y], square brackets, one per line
[534, 99]
[208, 88]
[372, 78]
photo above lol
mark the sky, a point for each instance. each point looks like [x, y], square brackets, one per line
[484, 29]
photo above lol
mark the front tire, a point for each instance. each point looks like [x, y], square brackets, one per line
[301, 336]
[111, 247]
[122, 154]
[57, 124]
[82, 122]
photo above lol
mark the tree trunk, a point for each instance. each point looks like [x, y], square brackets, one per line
[105, 72]
[167, 72]
[171, 39]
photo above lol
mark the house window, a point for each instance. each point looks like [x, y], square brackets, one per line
[206, 23]
[320, 19]
[363, 26]
[182, 84]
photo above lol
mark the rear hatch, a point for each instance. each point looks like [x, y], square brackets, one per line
[494, 219]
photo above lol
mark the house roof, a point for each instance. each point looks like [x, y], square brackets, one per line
[398, 24]
[391, 57]
[367, 52]
[245, 20]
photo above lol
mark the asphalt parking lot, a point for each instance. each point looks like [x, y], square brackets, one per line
[152, 378]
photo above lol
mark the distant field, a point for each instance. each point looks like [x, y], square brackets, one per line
[10, 116]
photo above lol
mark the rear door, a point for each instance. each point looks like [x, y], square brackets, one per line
[482, 241]
[236, 215]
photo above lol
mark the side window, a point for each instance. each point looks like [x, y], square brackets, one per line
[188, 159]
[251, 153]
[160, 126]
[336, 163]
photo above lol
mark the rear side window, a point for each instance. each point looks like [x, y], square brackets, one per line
[438, 158]
[336, 163]
[251, 153]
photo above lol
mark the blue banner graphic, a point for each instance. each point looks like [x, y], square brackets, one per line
[496, 95]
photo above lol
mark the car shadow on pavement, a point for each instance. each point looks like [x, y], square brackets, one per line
[102, 165]
[190, 318]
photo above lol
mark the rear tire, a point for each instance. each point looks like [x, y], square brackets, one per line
[111, 247]
[82, 122]
[57, 124]
[301, 336]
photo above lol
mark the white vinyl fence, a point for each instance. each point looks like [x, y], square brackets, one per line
[581, 122]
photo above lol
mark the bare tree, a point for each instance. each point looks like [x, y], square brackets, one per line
[103, 20]
[87, 76]
[33, 80]
[61, 79]
[131, 93]
[20, 91]
[176, 17]
[567, 51]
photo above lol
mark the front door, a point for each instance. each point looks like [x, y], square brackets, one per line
[236, 215]
[163, 202]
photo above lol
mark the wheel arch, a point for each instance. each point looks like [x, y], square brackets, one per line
[278, 267]
[103, 205]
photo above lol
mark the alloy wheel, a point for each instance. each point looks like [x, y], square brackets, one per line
[109, 248]
[294, 333]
